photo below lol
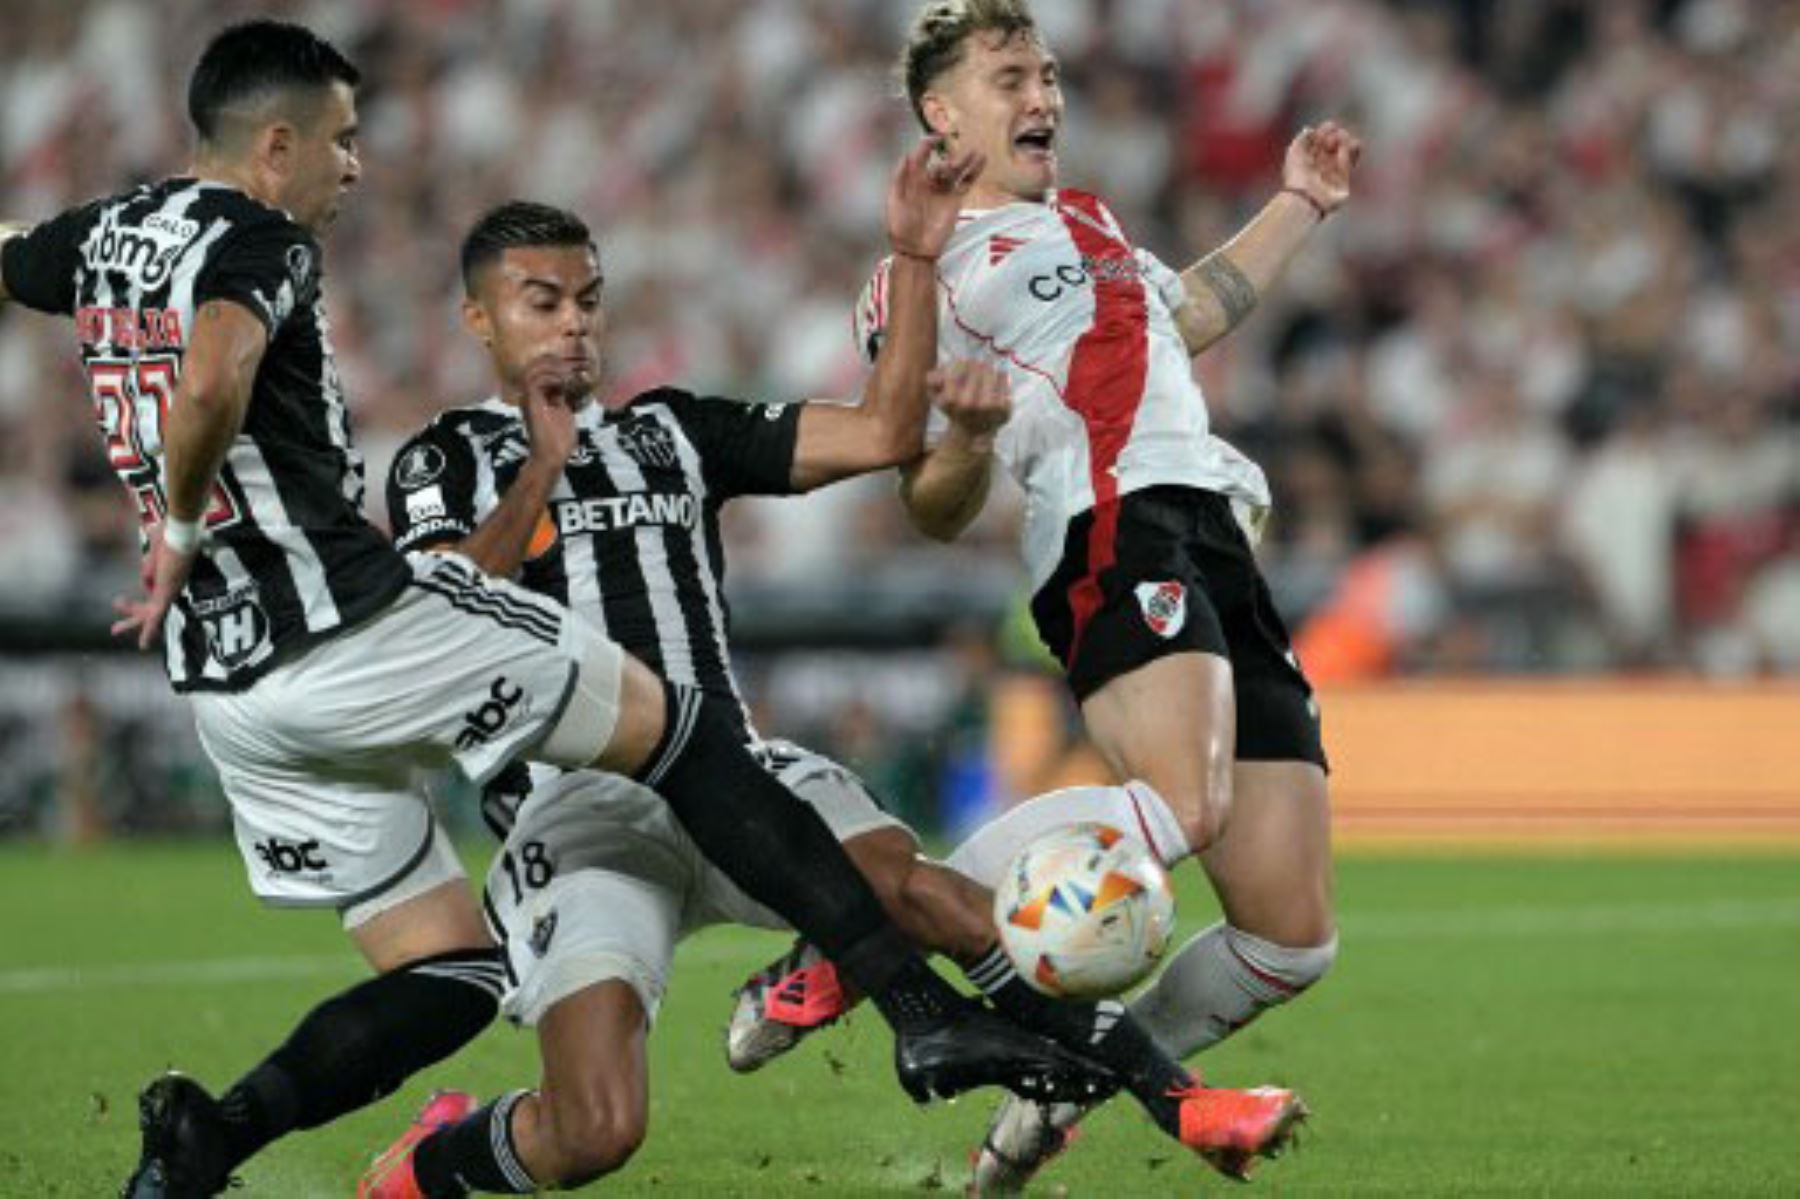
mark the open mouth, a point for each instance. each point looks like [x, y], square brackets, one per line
[1037, 143]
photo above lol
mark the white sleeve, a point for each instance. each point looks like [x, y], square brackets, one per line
[1163, 279]
[869, 321]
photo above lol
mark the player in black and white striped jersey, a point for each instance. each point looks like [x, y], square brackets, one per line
[287, 558]
[630, 536]
[324, 666]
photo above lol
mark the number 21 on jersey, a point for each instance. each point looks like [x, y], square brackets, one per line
[131, 402]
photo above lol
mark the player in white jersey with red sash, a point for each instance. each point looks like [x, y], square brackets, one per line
[1137, 529]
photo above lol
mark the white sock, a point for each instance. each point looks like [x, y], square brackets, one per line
[1135, 809]
[1221, 980]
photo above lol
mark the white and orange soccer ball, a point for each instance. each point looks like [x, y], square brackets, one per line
[1084, 911]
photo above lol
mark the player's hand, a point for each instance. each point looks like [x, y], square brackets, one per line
[163, 573]
[1319, 163]
[925, 195]
[975, 397]
[553, 391]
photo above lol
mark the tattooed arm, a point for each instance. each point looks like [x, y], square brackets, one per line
[1222, 288]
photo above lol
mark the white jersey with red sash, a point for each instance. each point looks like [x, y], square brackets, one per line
[1104, 398]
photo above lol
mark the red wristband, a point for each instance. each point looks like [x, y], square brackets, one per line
[1316, 206]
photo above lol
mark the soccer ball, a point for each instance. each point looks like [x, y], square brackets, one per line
[1084, 911]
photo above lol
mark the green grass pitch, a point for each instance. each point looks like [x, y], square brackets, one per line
[1496, 1025]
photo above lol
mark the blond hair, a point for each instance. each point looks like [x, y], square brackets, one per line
[940, 35]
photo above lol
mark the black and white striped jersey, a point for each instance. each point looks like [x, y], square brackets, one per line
[630, 540]
[288, 557]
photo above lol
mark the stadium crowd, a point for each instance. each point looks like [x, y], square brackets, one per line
[1529, 405]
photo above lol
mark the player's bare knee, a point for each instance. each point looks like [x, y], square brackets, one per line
[593, 1139]
[1202, 808]
[1197, 791]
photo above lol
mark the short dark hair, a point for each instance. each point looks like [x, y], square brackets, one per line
[515, 224]
[256, 57]
[940, 35]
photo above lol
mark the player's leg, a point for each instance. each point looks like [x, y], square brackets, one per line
[1135, 626]
[322, 824]
[588, 948]
[1172, 722]
[565, 695]
[800, 992]
[1272, 871]
[592, 1109]
[1180, 722]
[1272, 867]
[437, 986]
[587, 1117]
[953, 914]
[686, 746]
[1181, 786]
[935, 907]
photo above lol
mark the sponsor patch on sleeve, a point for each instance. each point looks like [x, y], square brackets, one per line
[425, 503]
[419, 465]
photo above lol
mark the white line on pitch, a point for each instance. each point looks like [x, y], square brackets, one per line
[153, 974]
[1575, 920]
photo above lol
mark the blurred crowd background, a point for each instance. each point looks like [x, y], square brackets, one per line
[1527, 405]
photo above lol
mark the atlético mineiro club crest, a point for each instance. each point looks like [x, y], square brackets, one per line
[1164, 605]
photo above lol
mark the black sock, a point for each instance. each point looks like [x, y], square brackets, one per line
[1105, 1032]
[363, 1043]
[783, 855]
[474, 1154]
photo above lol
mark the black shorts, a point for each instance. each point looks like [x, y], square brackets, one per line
[1167, 570]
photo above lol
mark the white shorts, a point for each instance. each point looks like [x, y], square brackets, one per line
[597, 880]
[321, 758]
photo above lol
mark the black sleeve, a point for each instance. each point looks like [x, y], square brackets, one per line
[431, 490]
[270, 267]
[39, 267]
[745, 448]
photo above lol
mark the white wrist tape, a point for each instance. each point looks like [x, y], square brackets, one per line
[182, 536]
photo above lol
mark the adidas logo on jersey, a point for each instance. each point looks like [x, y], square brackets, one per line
[999, 246]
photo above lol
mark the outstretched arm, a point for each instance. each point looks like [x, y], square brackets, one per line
[835, 441]
[1223, 287]
[944, 491]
